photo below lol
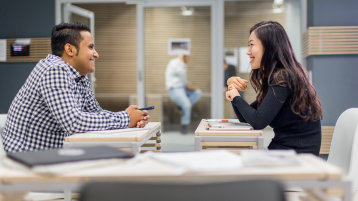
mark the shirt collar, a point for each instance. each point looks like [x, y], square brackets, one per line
[74, 73]
[77, 79]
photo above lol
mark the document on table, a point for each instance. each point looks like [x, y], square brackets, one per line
[126, 133]
[219, 160]
[122, 130]
[223, 126]
[269, 158]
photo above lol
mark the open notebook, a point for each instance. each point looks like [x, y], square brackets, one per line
[228, 126]
[56, 156]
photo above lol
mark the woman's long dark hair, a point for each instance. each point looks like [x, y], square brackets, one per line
[279, 67]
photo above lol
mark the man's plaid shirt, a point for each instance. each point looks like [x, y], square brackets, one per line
[55, 102]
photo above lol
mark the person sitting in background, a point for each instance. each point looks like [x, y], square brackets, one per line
[185, 95]
[57, 100]
[286, 100]
[229, 71]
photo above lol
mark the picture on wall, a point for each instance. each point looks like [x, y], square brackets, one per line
[178, 46]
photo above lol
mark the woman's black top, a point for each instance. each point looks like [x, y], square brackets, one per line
[291, 131]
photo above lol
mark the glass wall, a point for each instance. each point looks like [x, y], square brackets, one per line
[163, 24]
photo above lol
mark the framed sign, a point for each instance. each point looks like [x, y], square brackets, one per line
[178, 46]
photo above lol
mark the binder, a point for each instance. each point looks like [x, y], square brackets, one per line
[56, 156]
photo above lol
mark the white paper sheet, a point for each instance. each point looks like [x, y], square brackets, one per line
[219, 160]
[269, 158]
[123, 130]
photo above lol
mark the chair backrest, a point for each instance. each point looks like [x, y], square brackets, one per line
[344, 145]
[2, 126]
[251, 190]
[2, 121]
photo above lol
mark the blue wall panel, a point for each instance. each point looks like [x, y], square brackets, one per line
[334, 76]
[21, 19]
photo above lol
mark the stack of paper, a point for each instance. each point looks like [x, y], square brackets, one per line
[269, 158]
[228, 126]
[219, 160]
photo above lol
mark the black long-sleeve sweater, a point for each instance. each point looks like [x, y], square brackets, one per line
[291, 131]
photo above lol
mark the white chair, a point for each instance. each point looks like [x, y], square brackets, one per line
[344, 145]
[2, 121]
[2, 126]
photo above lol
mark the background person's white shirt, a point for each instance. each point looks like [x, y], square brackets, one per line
[175, 75]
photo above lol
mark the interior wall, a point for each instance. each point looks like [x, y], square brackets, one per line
[115, 39]
[334, 76]
[21, 19]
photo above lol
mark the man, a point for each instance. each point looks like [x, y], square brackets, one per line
[57, 101]
[229, 71]
[180, 91]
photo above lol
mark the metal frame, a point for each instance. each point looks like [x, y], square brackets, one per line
[69, 8]
[258, 139]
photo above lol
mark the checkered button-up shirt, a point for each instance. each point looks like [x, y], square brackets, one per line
[55, 102]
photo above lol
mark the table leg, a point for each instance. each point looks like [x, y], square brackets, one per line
[67, 194]
[260, 143]
[197, 144]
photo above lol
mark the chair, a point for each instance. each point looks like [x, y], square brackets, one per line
[2, 122]
[344, 145]
[250, 190]
[2, 126]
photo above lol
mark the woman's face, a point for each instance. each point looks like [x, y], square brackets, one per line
[255, 52]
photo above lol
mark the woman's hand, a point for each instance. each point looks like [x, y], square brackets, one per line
[232, 93]
[239, 83]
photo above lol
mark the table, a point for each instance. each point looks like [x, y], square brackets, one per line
[232, 140]
[312, 173]
[132, 141]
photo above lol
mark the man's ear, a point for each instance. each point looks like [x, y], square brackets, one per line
[70, 50]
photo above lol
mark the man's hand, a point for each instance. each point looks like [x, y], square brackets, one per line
[239, 83]
[191, 87]
[232, 93]
[137, 118]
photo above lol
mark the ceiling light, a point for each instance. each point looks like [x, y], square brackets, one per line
[185, 11]
[277, 6]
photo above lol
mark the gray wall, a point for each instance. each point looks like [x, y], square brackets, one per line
[334, 76]
[21, 19]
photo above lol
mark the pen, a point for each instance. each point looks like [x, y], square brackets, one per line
[218, 120]
[147, 108]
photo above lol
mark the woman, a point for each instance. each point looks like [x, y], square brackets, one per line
[286, 99]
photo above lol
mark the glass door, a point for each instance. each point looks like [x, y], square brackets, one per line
[216, 23]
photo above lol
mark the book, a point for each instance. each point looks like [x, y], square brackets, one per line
[228, 126]
[57, 156]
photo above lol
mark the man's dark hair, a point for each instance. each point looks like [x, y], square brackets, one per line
[66, 33]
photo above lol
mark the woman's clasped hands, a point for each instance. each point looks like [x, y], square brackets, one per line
[235, 84]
